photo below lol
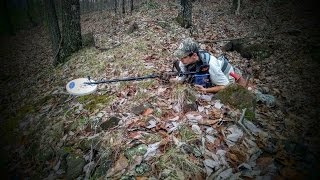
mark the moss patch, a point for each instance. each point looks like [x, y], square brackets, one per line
[259, 51]
[239, 97]
[92, 102]
[177, 162]
[186, 134]
[11, 122]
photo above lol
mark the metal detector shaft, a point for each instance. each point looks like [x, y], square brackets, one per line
[124, 79]
[136, 78]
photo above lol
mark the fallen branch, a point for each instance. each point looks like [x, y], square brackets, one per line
[290, 32]
[229, 39]
[242, 125]
[238, 8]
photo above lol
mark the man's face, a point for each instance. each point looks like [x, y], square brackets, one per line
[189, 59]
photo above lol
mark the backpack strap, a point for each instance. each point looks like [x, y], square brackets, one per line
[226, 66]
[204, 57]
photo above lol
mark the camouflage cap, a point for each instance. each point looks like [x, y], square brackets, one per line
[186, 47]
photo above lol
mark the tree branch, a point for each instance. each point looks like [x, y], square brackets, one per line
[290, 32]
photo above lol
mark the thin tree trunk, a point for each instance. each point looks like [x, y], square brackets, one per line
[185, 15]
[86, 5]
[29, 14]
[131, 6]
[53, 27]
[123, 6]
[6, 27]
[71, 28]
[115, 6]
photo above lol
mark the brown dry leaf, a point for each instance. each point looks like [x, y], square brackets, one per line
[134, 134]
[284, 159]
[233, 157]
[161, 126]
[147, 112]
[210, 146]
[216, 113]
[207, 122]
[136, 160]
[264, 162]
[289, 173]
[141, 178]
[240, 152]
[165, 141]
[121, 164]
[131, 123]
[163, 133]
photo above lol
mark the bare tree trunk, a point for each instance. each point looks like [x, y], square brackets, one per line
[185, 15]
[29, 14]
[5, 25]
[123, 6]
[71, 36]
[86, 5]
[131, 6]
[236, 7]
[115, 6]
[53, 27]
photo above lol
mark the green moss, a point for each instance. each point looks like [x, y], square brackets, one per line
[83, 121]
[152, 138]
[157, 112]
[259, 51]
[67, 149]
[179, 90]
[236, 96]
[139, 97]
[150, 5]
[179, 20]
[146, 84]
[239, 97]
[44, 100]
[186, 134]
[11, 122]
[141, 46]
[92, 102]
[250, 114]
[163, 24]
[25, 110]
[175, 160]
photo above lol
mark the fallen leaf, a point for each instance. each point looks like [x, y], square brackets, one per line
[264, 162]
[290, 173]
[121, 164]
[141, 178]
[134, 134]
[147, 112]
[152, 124]
[207, 121]
[233, 157]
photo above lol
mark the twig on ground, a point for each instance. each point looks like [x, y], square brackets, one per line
[242, 125]
[228, 39]
[290, 31]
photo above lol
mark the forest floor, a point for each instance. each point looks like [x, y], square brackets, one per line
[150, 129]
